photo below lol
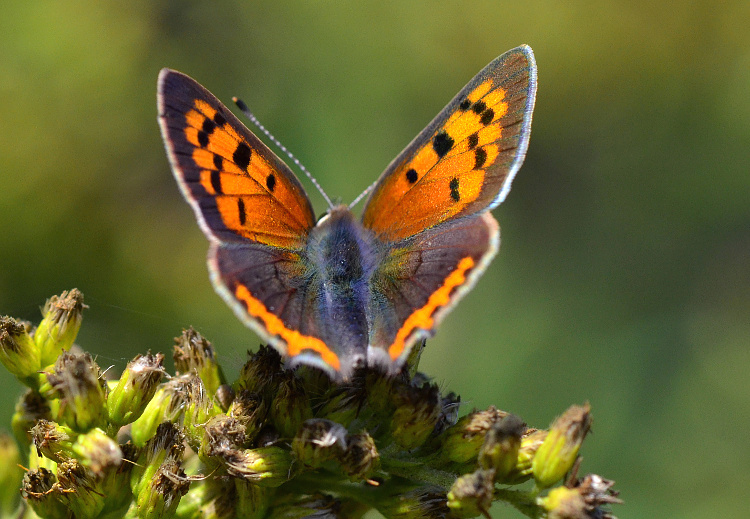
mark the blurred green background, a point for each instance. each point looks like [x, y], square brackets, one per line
[624, 274]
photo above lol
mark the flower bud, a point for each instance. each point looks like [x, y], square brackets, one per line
[426, 502]
[462, 442]
[319, 441]
[30, 408]
[18, 352]
[199, 409]
[314, 506]
[60, 325]
[165, 448]
[559, 451]
[97, 452]
[134, 390]
[290, 406]
[264, 466]
[53, 440]
[40, 490]
[250, 410]
[417, 410]
[78, 383]
[167, 405]
[194, 354]
[79, 489]
[472, 494]
[361, 458]
[11, 475]
[258, 375]
[501, 443]
[159, 495]
[530, 443]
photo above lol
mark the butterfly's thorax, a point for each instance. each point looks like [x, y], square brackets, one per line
[342, 256]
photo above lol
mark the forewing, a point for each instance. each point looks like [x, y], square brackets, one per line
[238, 188]
[466, 158]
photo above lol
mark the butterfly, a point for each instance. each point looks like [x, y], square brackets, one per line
[343, 292]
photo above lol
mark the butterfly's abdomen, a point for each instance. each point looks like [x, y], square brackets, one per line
[343, 257]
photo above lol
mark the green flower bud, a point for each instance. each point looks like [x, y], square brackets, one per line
[250, 410]
[78, 383]
[559, 451]
[53, 440]
[199, 409]
[319, 441]
[60, 325]
[499, 451]
[222, 434]
[290, 406]
[564, 503]
[421, 503]
[11, 475]
[165, 448]
[167, 405]
[18, 352]
[264, 466]
[472, 494]
[97, 452]
[315, 506]
[361, 458]
[462, 442]
[258, 375]
[252, 500]
[343, 403]
[40, 490]
[417, 411]
[194, 354]
[224, 396]
[530, 443]
[30, 408]
[115, 483]
[134, 390]
[160, 495]
[79, 490]
[585, 498]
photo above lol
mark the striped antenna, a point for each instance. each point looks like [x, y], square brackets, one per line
[245, 110]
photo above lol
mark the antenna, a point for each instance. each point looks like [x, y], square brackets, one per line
[245, 110]
[363, 194]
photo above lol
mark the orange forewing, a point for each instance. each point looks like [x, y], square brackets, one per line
[464, 160]
[235, 183]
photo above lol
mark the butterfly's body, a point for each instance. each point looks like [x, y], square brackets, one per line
[344, 292]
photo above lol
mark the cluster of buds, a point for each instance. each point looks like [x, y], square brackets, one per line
[274, 443]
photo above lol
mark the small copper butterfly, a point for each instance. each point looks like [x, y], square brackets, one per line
[345, 292]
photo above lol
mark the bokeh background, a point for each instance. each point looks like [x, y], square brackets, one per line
[624, 274]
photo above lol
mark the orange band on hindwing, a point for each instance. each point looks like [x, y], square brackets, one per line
[422, 317]
[296, 342]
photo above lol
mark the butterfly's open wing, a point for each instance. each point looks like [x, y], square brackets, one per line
[429, 206]
[466, 158]
[253, 210]
[238, 188]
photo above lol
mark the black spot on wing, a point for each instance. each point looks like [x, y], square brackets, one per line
[411, 176]
[480, 156]
[473, 140]
[242, 155]
[241, 211]
[487, 116]
[465, 104]
[270, 182]
[216, 181]
[442, 143]
[219, 119]
[208, 126]
[479, 107]
[202, 138]
[455, 195]
[218, 161]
